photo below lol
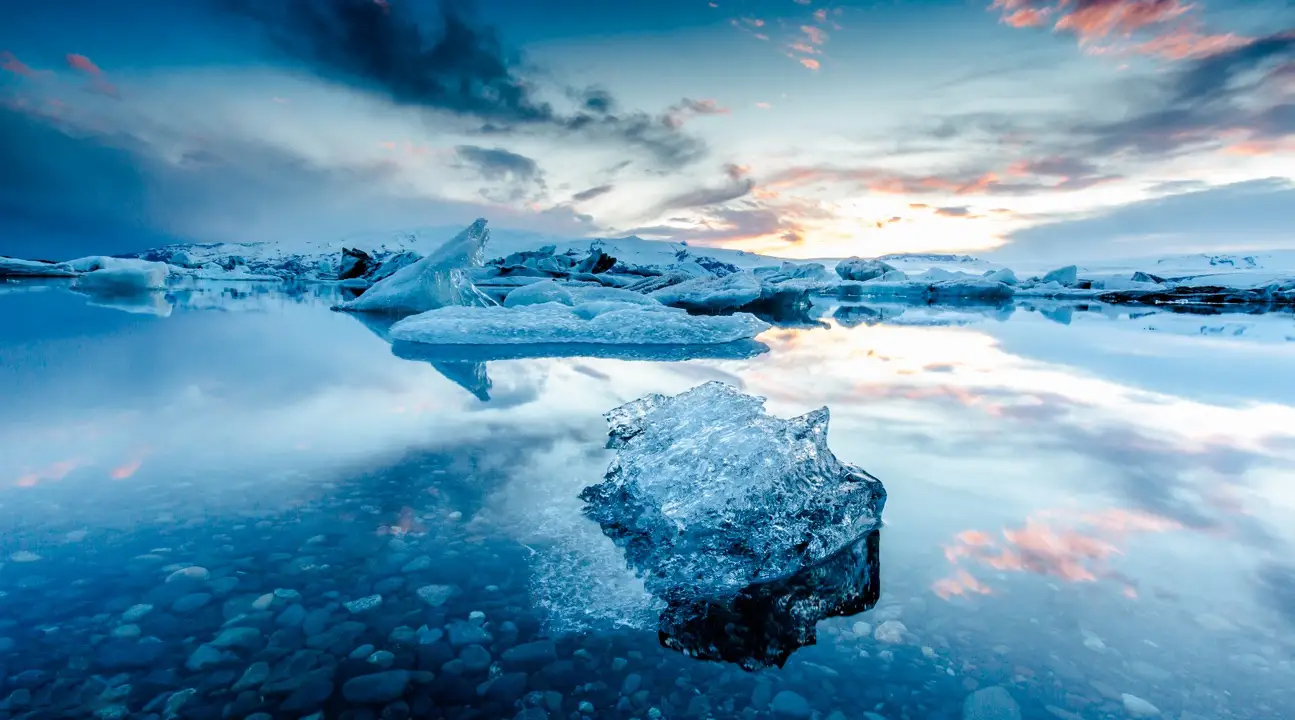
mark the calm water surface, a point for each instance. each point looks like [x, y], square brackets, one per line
[1090, 509]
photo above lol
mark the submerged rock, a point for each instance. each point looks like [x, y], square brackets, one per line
[710, 494]
[991, 703]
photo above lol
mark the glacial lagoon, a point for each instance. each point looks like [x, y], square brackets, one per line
[228, 500]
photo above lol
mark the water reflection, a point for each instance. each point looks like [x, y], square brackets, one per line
[1040, 474]
[764, 623]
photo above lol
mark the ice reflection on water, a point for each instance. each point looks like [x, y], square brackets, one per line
[1083, 504]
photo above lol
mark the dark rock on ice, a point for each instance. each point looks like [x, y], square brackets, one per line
[355, 263]
[710, 494]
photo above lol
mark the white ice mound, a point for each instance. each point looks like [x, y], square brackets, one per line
[119, 276]
[712, 294]
[601, 322]
[438, 280]
[709, 494]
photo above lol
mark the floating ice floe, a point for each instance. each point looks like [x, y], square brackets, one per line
[708, 494]
[596, 322]
[438, 280]
[862, 270]
[119, 276]
[15, 267]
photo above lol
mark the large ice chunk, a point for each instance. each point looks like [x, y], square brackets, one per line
[710, 494]
[547, 291]
[119, 276]
[438, 280]
[600, 322]
[862, 269]
[15, 267]
[712, 294]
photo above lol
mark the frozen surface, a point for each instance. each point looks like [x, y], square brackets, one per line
[438, 280]
[598, 322]
[709, 494]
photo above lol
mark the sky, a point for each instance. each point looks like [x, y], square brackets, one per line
[1080, 129]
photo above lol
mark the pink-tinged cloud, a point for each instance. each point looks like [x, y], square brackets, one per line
[1058, 545]
[816, 35]
[811, 63]
[820, 15]
[83, 64]
[803, 48]
[98, 82]
[1106, 27]
[54, 471]
[10, 63]
[763, 105]
[1187, 44]
[1091, 19]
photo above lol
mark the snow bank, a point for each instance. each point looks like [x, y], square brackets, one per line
[600, 322]
[438, 280]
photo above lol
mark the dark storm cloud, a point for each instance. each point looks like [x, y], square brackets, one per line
[499, 164]
[456, 66]
[518, 176]
[450, 65]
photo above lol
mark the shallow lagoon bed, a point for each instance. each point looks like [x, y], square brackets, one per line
[1085, 503]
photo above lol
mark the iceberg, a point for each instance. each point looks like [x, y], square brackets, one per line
[708, 494]
[441, 356]
[548, 291]
[119, 276]
[438, 280]
[14, 267]
[862, 269]
[712, 294]
[597, 322]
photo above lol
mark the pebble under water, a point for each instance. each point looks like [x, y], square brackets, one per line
[267, 514]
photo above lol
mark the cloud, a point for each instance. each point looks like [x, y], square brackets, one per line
[454, 66]
[10, 63]
[1233, 95]
[98, 81]
[591, 193]
[65, 192]
[1107, 26]
[1243, 216]
[520, 175]
[958, 211]
[738, 185]
[889, 182]
[676, 115]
